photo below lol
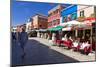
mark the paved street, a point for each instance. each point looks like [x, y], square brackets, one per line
[36, 54]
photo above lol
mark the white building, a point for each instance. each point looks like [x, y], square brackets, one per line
[85, 10]
[13, 29]
[28, 26]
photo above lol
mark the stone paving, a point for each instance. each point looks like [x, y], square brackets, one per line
[37, 53]
[76, 55]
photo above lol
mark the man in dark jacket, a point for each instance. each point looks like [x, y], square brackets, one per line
[23, 39]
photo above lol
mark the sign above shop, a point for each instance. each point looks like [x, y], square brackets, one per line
[89, 21]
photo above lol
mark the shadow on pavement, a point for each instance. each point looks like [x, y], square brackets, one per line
[37, 54]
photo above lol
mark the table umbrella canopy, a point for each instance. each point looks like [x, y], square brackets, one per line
[75, 24]
[67, 29]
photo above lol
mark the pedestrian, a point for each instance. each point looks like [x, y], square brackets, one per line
[13, 36]
[23, 40]
[17, 35]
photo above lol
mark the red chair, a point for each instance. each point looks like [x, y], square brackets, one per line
[76, 48]
[87, 50]
[59, 42]
[54, 42]
[68, 44]
[94, 46]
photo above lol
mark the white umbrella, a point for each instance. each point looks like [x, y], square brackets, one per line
[76, 24]
[73, 23]
[67, 29]
[43, 30]
[63, 24]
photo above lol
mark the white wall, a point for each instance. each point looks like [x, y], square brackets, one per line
[27, 24]
[88, 10]
[35, 21]
[60, 20]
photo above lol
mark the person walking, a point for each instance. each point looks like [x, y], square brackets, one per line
[13, 36]
[23, 40]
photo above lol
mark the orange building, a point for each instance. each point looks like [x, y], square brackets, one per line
[39, 21]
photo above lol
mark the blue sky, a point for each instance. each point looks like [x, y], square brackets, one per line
[21, 11]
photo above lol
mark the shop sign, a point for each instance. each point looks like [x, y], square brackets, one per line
[89, 21]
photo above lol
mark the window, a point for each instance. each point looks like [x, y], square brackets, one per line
[49, 24]
[54, 22]
[69, 18]
[82, 13]
[74, 16]
[65, 19]
[40, 26]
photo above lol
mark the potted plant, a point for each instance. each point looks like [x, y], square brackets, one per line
[81, 19]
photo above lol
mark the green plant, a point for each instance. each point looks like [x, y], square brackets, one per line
[81, 18]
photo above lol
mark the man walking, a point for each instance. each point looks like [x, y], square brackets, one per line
[23, 40]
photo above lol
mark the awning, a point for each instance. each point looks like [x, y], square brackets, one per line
[67, 29]
[56, 28]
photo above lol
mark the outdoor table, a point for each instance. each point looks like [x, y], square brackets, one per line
[59, 42]
[76, 46]
[86, 48]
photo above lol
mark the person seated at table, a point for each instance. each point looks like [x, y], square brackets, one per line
[65, 37]
[85, 44]
[75, 43]
[70, 38]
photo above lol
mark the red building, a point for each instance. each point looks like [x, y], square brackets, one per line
[54, 16]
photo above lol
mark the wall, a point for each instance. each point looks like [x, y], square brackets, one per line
[35, 21]
[88, 10]
[54, 18]
[39, 22]
[69, 10]
[42, 23]
[28, 26]
[69, 13]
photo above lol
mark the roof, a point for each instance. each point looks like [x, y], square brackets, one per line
[40, 15]
[55, 8]
[67, 7]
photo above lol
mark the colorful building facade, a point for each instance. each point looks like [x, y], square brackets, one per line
[78, 12]
[69, 13]
[28, 26]
[54, 16]
[86, 14]
[39, 21]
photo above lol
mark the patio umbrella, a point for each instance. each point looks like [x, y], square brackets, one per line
[76, 25]
[67, 29]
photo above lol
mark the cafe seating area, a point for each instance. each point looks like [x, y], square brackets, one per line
[83, 47]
